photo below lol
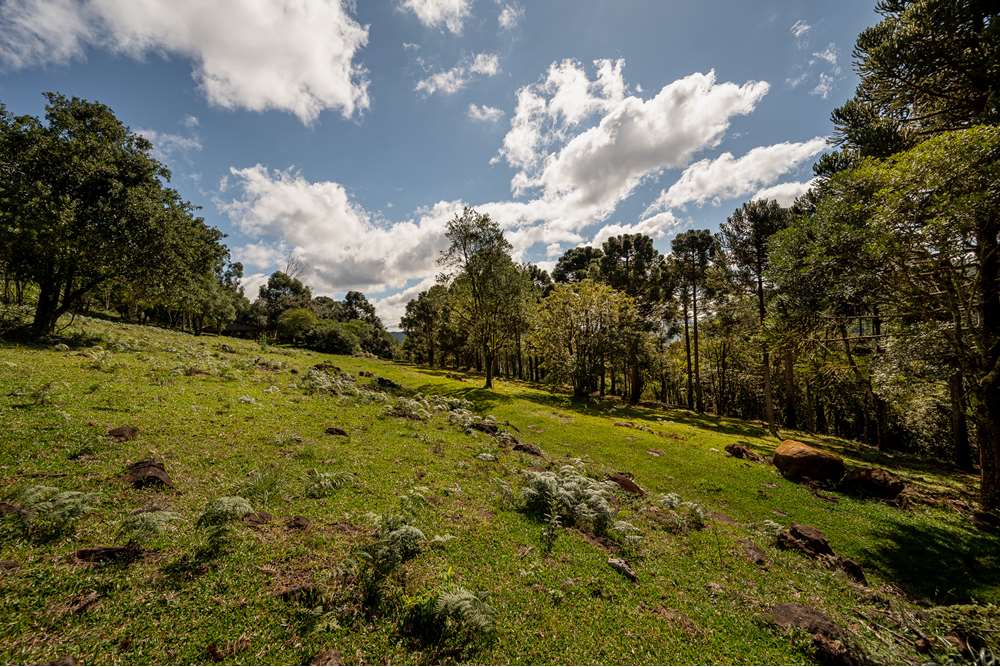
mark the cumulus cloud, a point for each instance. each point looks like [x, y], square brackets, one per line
[484, 113]
[656, 226]
[785, 193]
[726, 177]
[450, 81]
[510, 15]
[580, 179]
[256, 54]
[342, 245]
[447, 14]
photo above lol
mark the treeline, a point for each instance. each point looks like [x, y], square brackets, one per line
[88, 223]
[870, 309]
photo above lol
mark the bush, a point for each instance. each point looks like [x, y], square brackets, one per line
[224, 510]
[579, 500]
[322, 484]
[333, 338]
[680, 516]
[148, 525]
[454, 622]
[295, 324]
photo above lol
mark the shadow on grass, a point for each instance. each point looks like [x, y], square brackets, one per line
[940, 564]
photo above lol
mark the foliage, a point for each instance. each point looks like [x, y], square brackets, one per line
[453, 622]
[49, 512]
[224, 510]
[580, 500]
[323, 484]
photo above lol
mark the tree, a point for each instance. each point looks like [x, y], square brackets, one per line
[295, 324]
[280, 293]
[576, 327]
[746, 233]
[83, 205]
[356, 306]
[422, 320]
[494, 285]
[577, 264]
[694, 250]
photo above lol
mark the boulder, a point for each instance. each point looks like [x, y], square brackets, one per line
[797, 460]
[620, 566]
[872, 483]
[148, 472]
[810, 541]
[625, 481]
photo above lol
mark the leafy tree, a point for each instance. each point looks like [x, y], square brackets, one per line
[280, 293]
[486, 275]
[356, 306]
[295, 324]
[84, 205]
[422, 320]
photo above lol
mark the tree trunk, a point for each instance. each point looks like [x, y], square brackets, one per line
[765, 359]
[988, 385]
[791, 391]
[959, 426]
[687, 354]
[699, 400]
[45, 310]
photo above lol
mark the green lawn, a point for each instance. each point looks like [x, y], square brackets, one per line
[215, 417]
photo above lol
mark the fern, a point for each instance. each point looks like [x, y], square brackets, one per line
[323, 484]
[583, 502]
[224, 510]
[453, 622]
[50, 512]
[148, 525]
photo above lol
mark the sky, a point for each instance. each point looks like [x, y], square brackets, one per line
[348, 132]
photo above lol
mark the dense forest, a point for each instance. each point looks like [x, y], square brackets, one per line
[869, 309]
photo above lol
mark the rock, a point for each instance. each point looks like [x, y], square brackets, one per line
[61, 347]
[327, 368]
[625, 481]
[386, 383]
[119, 555]
[487, 426]
[486, 456]
[852, 569]
[739, 451]
[336, 430]
[297, 523]
[714, 588]
[365, 374]
[923, 645]
[654, 452]
[328, 657]
[257, 518]
[228, 349]
[623, 568]
[873, 483]
[805, 618]
[148, 472]
[796, 460]
[249, 400]
[123, 433]
[753, 553]
[528, 448]
[810, 541]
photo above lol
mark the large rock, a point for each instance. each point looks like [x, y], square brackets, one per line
[810, 541]
[797, 460]
[872, 483]
[149, 472]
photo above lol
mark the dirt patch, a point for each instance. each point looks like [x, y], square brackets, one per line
[625, 481]
[297, 523]
[110, 555]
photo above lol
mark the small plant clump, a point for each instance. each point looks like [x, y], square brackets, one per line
[395, 543]
[680, 516]
[410, 408]
[138, 528]
[454, 622]
[322, 484]
[581, 501]
[48, 512]
[224, 510]
[260, 485]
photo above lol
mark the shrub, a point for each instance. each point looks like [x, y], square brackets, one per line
[454, 622]
[333, 338]
[295, 324]
[580, 501]
[395, 543]
[148, 525]
[224, 510]
[680, 516]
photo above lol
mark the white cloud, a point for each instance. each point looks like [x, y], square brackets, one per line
[785, 193]
[450, 14]
[824, 66]
[799, 30]
[167, 146]
[584, 179]
[254, 54]
[726, 177]
[824, 86]
[656, 227]
[510, 15]
[450, 81]
[342, 245]
[392, 307]
[485, 114]
[190, 121]
[410, 46]
[830, 55]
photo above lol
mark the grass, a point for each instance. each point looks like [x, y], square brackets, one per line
[698, 599]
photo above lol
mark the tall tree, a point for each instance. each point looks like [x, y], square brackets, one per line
[577, 264]
[695, 249]
[746, 234]
[480, 256]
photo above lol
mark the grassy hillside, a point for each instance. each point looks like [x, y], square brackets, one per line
[229, 418]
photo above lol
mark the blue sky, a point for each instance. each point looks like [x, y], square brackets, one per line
[347, 134]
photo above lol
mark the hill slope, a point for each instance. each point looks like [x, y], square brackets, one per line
[228, 418]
